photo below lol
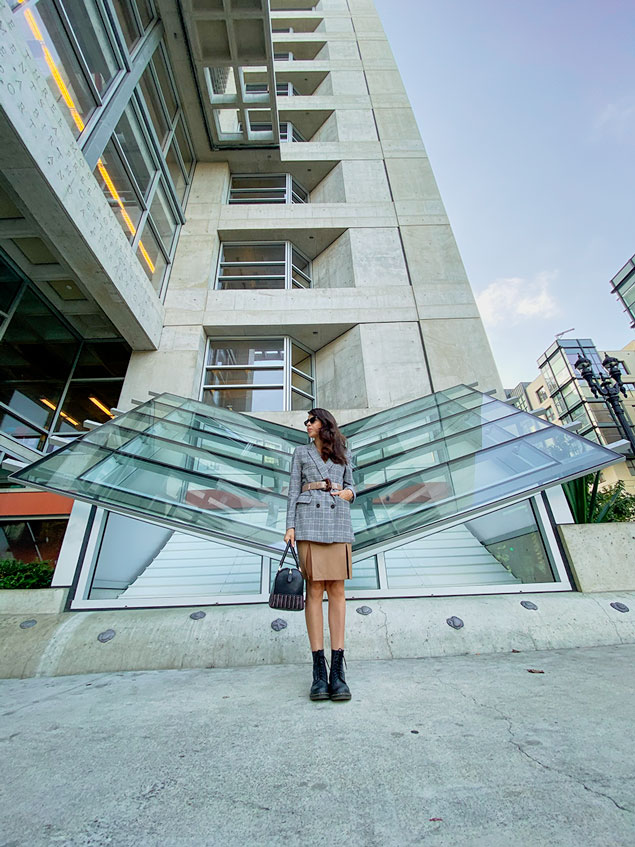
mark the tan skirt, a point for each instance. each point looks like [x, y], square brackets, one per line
[325, 561]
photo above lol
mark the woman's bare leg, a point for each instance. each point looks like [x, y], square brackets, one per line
[313, 613]
[337, 612]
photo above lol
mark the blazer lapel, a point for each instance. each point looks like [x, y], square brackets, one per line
[320, 464]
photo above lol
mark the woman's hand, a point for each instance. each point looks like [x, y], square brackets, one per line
[290, 536]
[346, 494]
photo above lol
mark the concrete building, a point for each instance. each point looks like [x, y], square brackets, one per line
[230, 201]
[565, 398]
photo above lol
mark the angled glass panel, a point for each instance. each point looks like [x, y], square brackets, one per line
[216, 473]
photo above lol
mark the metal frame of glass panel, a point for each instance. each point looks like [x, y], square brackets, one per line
[294, 397]
[289, 192]
[376, 563]
[291, 274]
[421, 467]
[418, 467]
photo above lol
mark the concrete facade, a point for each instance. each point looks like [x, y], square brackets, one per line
[390, 295]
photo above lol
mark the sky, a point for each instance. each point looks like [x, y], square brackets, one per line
[527, 112]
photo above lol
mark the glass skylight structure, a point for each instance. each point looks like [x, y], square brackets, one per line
[436, 461]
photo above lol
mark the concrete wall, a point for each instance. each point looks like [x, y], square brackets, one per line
[602, 556]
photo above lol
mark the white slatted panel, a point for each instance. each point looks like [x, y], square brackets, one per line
[192, 566]
[450, 558]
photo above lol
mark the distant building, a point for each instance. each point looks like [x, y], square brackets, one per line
[566, 398]
[624, 286]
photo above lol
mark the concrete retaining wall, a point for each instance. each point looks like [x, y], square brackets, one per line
[234, 636]
[602, 556]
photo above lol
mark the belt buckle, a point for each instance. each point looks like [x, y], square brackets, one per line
[329, 484]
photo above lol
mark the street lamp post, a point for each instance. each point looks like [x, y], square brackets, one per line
[608, 386]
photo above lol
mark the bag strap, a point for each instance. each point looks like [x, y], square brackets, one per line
[284, 556]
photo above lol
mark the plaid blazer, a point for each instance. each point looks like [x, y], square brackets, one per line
[317, 515]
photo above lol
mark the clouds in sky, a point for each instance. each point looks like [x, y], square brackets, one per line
[515, 300]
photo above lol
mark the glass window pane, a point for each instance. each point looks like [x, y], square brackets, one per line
[253, 253]
[146, 13]
[21, 432]
[127, 21]
[10, 284]
[87, 401]
[179, 180]
[184, 147]
[117, 187]
[163, 218]
[151, 258]
[100, 359]
[35, 401]
[44, 34]
[302, 360]
[90, 32]
[250, 283]
[130, 136]
[246, 400]
[165, 84]
[236, 376]
[32, 541]
[501, 548]
[153, 104]
[247, 352]
[305, 385]
[300, 403]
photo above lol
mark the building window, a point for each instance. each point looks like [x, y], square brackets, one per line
[287, 131]
[84, 51]
[542, 395]
[78, 61]
[258, 375]
[264, 188]
[283, 89]
[630, 466]
[266, 265]
[285, 56]
[550, 414]
[51, 379]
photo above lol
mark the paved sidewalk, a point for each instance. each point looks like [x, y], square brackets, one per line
[470, 750]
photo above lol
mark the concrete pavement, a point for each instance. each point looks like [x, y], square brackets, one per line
[469, 750]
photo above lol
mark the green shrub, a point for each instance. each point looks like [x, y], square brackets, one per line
[16, 574]
[590, 504]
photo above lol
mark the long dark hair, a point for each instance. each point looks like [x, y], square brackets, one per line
[333, 442]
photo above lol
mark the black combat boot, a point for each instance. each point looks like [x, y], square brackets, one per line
[338, 689]
[320, 687]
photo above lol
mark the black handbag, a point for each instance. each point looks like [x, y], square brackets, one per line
[287, 591]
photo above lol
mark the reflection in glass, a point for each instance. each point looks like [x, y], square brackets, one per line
[46, 39]
[89, 30]
[129, 134]
[151, 257]
[118, 191]
[501, 548]
[202, 468]
[154, 106]
[163, 217]
[176, 171]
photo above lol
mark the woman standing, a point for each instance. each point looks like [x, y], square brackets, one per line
[319, 519]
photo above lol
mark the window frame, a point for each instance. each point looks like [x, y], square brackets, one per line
[289, 266]
[286, 369]
[290, 190]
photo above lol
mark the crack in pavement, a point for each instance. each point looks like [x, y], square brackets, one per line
[521, 749]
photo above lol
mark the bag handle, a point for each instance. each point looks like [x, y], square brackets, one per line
[284, 556]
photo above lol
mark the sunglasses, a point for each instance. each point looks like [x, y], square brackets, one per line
[310, 420]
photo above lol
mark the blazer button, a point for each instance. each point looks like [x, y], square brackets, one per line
[332, 505]
[317, 505]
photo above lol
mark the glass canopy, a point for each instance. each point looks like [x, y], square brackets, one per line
[434, 461]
